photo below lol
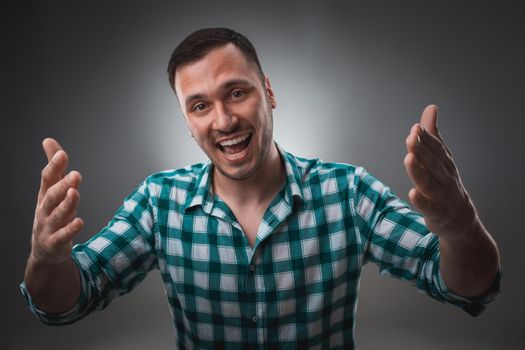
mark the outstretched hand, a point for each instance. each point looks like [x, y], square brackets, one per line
[56, 222]
[438, 192]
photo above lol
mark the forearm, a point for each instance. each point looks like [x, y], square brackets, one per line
[54, 288]
[469, 264]
[469, 258]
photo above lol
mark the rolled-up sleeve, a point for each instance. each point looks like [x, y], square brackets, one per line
[75, 313]
[112, 262]
[402, 246]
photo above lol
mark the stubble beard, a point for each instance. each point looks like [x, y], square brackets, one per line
[261, 157]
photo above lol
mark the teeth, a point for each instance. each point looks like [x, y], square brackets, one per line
[234, 141]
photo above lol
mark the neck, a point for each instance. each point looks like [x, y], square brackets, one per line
[258, 188]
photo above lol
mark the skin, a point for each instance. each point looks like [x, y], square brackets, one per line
[51, 276]
[469, 256]
[222, 96]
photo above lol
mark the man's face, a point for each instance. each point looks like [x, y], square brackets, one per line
[228, 110]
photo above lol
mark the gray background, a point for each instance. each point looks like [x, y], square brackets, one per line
[350, 78]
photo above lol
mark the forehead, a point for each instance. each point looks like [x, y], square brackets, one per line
[221, 64]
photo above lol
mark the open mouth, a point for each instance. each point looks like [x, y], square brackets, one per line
[235, 146]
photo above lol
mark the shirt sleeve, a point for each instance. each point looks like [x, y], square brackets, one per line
[111, 263]
[402, 246]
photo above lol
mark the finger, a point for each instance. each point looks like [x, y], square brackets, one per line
[57, 192]
[429, 119]
[423, 204]
[427, 159]
[67, 233]
[436, 145]
[439, 148]
[422, 179]
[65, 212]
[428, 122]
[52, 172]
[51, 146]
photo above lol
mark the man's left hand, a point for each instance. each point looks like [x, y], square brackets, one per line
[438, 192]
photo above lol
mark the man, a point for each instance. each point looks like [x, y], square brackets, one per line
[258, 248]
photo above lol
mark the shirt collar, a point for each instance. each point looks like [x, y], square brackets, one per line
[202, 193]
[294, 177]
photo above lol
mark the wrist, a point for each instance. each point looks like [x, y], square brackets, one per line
[41, 260]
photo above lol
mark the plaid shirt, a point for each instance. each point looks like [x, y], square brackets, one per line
[297, 286]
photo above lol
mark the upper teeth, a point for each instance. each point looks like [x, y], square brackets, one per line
[233, 141]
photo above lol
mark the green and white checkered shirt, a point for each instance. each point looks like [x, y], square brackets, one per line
[297, 287]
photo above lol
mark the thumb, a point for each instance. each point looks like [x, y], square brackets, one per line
[429, 120]
[51, 146]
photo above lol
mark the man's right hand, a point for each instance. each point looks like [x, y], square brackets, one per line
[56, 222]
[51, 277]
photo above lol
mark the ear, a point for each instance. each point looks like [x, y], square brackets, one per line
[270, 92]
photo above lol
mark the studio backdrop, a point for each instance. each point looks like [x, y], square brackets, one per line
[350, 77]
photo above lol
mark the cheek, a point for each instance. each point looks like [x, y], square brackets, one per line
[198, 129]
[250, 108]
[202, 142]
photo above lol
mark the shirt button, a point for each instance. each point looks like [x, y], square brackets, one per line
[252, 268]
[254, 319]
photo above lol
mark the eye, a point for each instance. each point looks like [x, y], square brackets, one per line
[237, 94]
[199, 107]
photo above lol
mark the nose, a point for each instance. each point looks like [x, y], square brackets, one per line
[225, 120]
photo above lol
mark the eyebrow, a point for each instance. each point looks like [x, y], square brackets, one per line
[234, 82]
[226, 85]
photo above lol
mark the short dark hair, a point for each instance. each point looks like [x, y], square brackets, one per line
[201, 42]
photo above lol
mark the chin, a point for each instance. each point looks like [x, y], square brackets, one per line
[239, 174]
